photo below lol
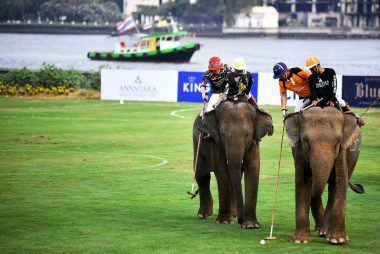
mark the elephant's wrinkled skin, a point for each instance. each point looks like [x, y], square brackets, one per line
[235, 130]
[325, 145]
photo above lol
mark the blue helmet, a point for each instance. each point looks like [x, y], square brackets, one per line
[279, 69]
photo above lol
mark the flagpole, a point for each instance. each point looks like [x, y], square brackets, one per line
[137, 29]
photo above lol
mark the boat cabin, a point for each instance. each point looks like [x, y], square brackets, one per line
[152, 42]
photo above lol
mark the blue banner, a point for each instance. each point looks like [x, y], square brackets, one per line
[255, 85]
[189, 86]
[361, 91]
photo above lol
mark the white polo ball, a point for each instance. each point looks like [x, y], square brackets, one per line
[262, 242]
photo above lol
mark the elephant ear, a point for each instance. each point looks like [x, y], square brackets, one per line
[351, 130]
[263, 124]
[210, 125]
[292, 124]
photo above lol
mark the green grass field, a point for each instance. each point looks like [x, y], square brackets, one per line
[91, 176]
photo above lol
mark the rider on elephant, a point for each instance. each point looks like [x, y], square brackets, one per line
[323, 84]
[216, 74]
[239, 83]
[293, 79]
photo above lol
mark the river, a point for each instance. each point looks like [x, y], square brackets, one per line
[347, 57]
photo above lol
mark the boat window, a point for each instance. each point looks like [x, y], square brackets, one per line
[169, 38]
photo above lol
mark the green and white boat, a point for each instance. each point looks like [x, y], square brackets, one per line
[158, 47]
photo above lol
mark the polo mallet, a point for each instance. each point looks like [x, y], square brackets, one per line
[370, 106]
[192, 193]
[271, 237]
[311, 105]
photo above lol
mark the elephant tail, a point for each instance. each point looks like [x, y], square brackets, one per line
[358, 188]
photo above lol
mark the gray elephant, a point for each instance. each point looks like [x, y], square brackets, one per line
[326, 145]
[232, 148]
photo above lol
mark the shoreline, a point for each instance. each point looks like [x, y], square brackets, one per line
[281, 32]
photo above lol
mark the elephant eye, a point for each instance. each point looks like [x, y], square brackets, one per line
[305, 139]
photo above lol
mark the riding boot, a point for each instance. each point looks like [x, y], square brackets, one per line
[360, 121]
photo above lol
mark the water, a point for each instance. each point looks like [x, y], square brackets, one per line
[347, 57]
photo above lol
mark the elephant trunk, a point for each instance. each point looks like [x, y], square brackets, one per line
[234, 160]
[321, 163]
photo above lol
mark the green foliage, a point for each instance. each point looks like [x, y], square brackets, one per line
[93, 80]
[48, 79]
[22, 76]
[92, 176]
[89, 12]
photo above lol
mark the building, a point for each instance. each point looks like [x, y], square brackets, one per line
[130, 6]
[257, 17]
[330, 13]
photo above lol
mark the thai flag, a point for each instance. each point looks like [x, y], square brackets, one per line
[127, 24]
[147, 26]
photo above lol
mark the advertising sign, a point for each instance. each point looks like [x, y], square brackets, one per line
[361, 91]
[139, 85]
[189, 86]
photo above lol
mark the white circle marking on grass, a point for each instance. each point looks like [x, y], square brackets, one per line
[174, 113]
[163, 161]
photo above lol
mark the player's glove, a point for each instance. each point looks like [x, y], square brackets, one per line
[284, 112]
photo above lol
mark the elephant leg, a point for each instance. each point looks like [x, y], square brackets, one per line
[336, 233]
[251, 183]
[233, 205]
[203, 181]
[318, 215]
[303, 199]
[330, 200]
[225, 195]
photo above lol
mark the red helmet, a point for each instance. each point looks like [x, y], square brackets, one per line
[214, 63]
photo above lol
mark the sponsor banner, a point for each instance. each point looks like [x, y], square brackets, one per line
[361, 91]
[189, 86]
[269, 91]
[139, 85]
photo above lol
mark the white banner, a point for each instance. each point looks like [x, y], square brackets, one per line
[139, 85]
[269, 92]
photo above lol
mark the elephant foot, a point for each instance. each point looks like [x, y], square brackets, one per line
[204, 213]
[337, 238]
[320, 231]
[224, 220]
[250, 225]
[301, 236]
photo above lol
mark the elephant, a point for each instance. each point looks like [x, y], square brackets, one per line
[232, 148]
[325, 145]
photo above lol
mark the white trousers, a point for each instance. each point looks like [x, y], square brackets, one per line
[211, 102]
[302, 102]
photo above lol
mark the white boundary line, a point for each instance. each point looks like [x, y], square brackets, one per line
[162, 162]
[174, 113]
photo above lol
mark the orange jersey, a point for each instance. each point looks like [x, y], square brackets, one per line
[297, 83]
